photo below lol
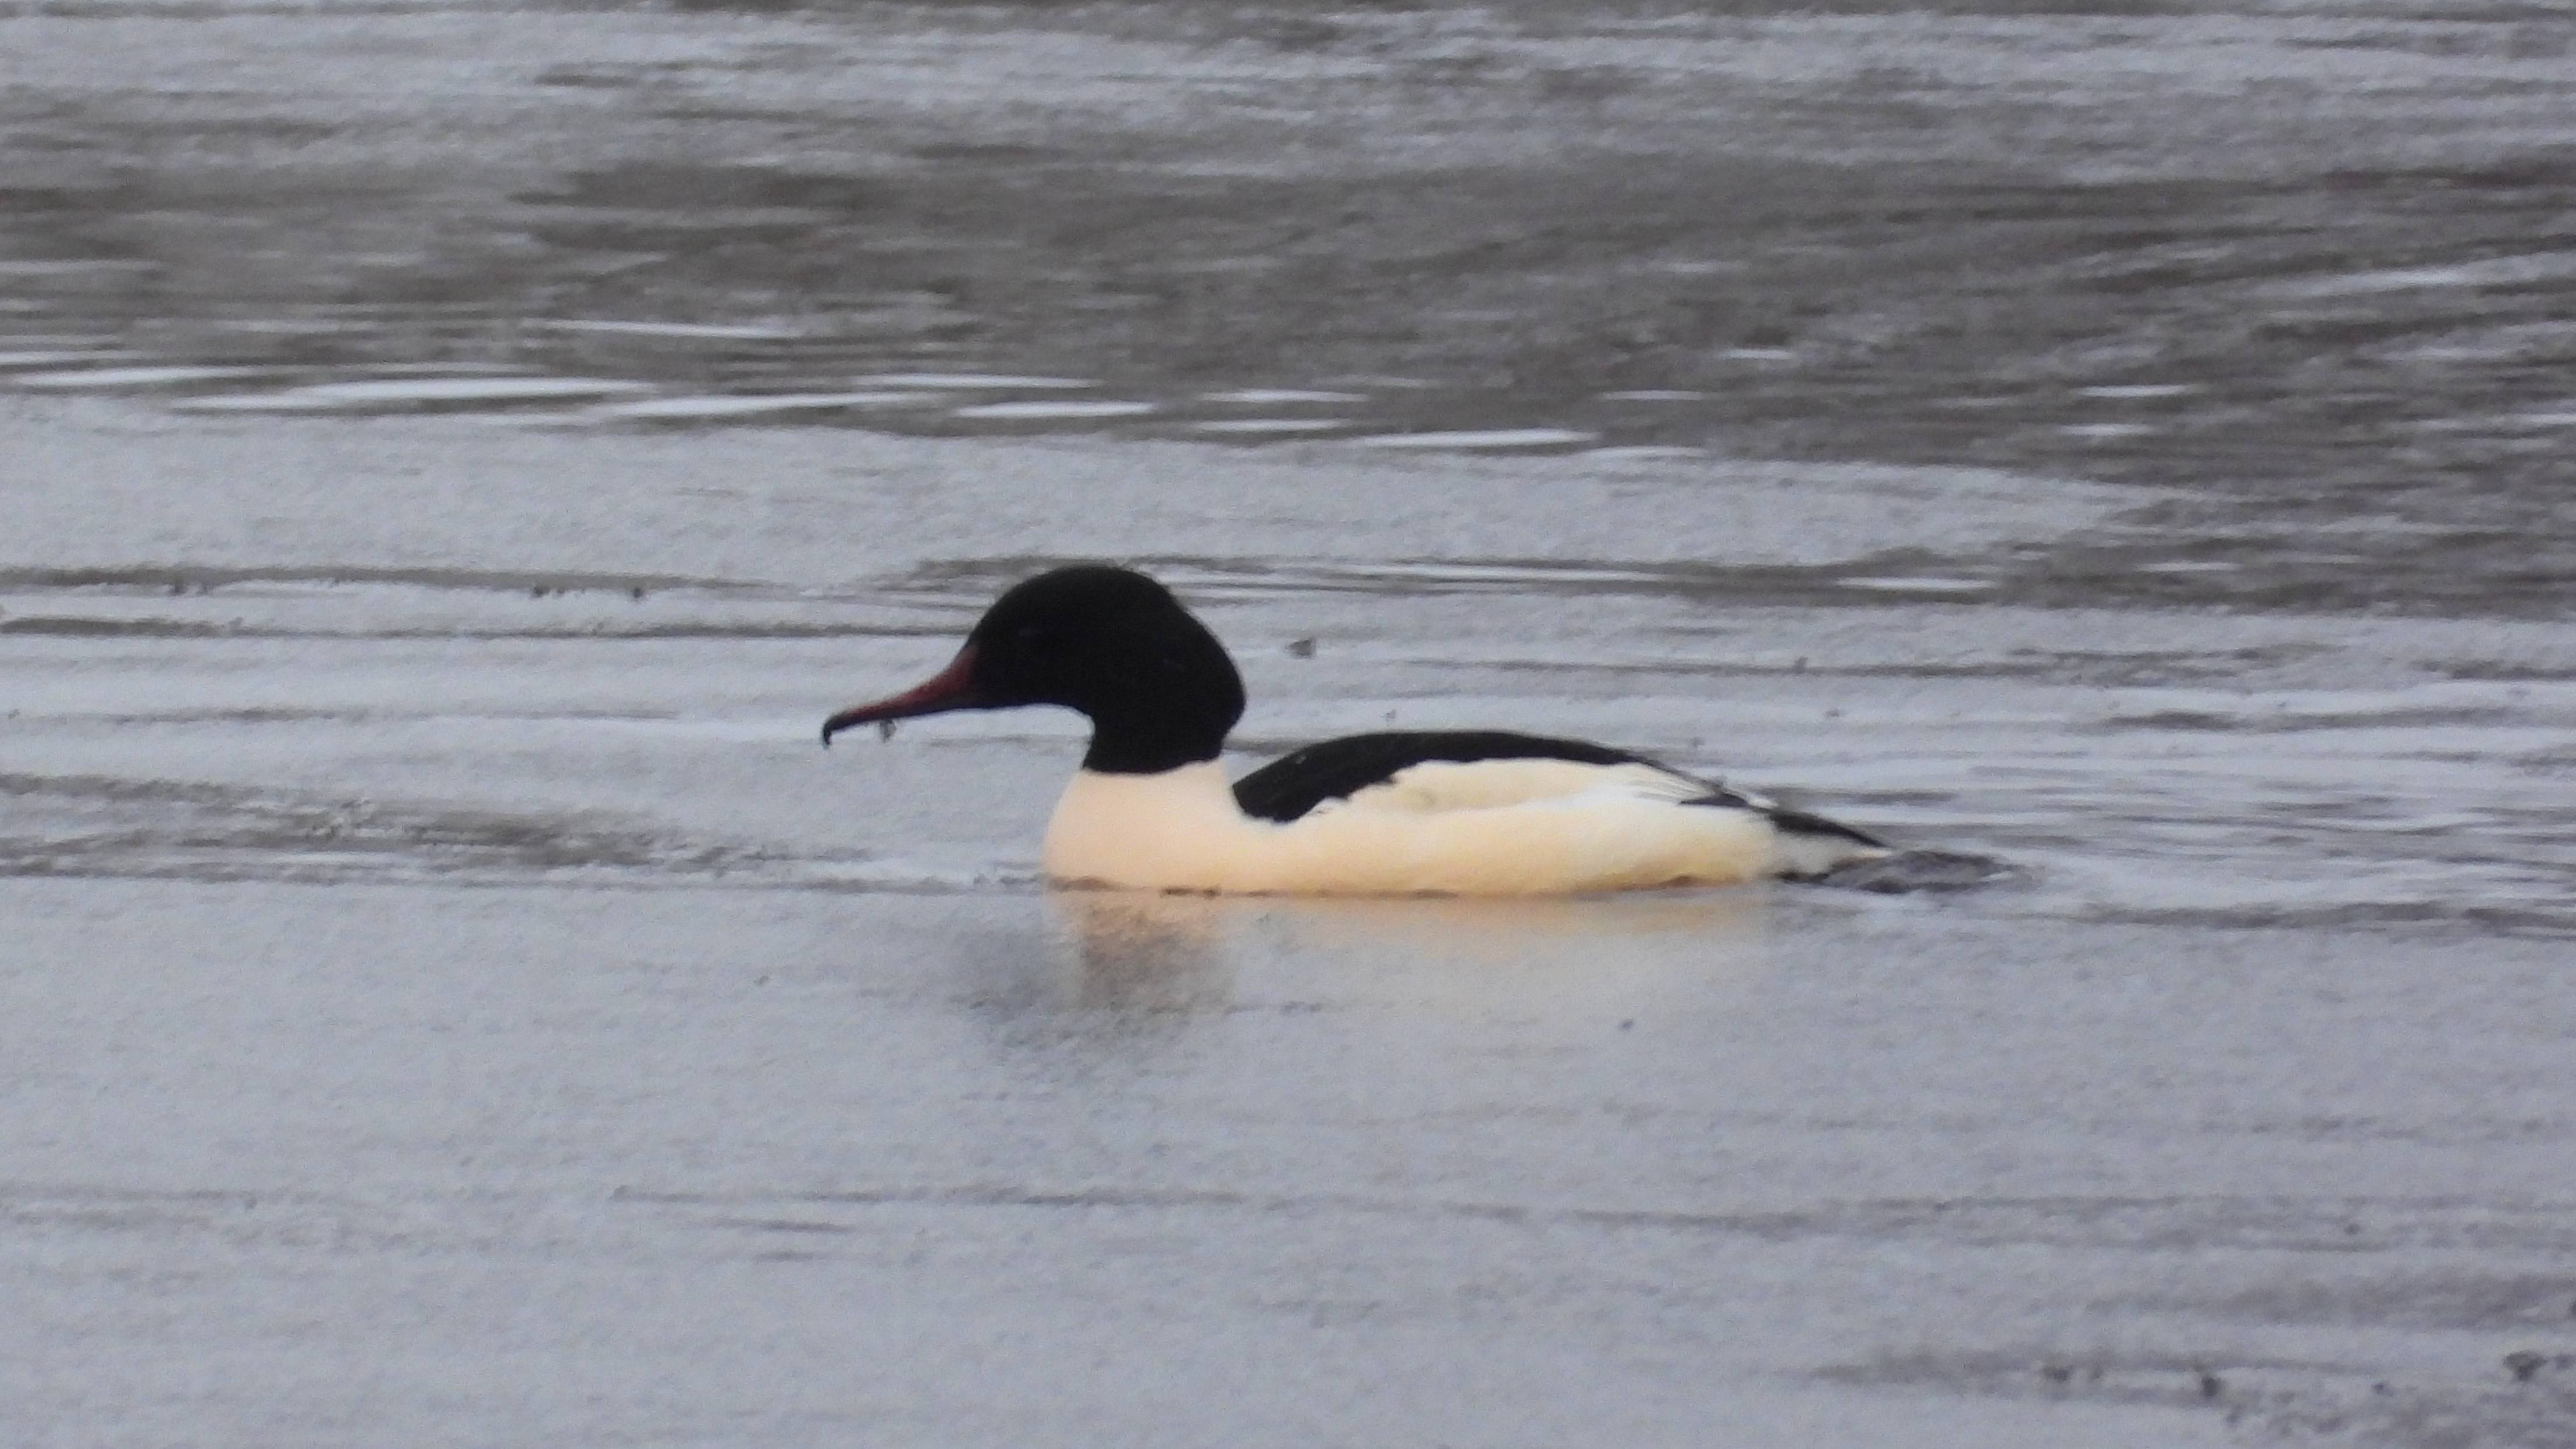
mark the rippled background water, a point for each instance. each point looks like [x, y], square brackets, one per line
[456, 454]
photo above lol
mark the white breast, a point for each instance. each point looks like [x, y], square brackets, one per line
[1490, 828]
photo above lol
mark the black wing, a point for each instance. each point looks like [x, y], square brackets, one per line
[1297, 782]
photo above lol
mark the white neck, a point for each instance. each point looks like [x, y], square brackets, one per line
[1178, 830]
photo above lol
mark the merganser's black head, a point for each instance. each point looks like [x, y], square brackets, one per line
[1107, 642]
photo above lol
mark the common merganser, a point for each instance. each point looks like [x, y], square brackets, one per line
[1482, 813]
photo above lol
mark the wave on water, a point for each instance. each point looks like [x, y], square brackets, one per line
[201, 578]
[1910, 871]
[1863, 581]
[106, 825]
[299, 601]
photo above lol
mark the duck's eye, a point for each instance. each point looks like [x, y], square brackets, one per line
[1034, 638]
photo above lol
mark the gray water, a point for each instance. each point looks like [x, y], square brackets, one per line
[451, 1000]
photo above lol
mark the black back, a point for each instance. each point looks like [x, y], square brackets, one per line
[1299, 781]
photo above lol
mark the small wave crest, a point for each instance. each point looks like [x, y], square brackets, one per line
[1911, 871]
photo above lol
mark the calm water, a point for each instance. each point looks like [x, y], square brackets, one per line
[453, 1001]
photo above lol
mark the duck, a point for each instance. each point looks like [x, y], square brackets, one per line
[1397, 813]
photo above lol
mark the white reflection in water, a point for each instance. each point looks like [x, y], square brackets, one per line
[1602, 957]
[1140, 951]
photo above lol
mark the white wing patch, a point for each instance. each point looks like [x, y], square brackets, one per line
[1442, 785]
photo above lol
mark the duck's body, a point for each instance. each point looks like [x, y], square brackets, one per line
[1450, 813]
[1490, 829]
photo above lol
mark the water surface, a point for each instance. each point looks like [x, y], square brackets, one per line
[456, 455]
